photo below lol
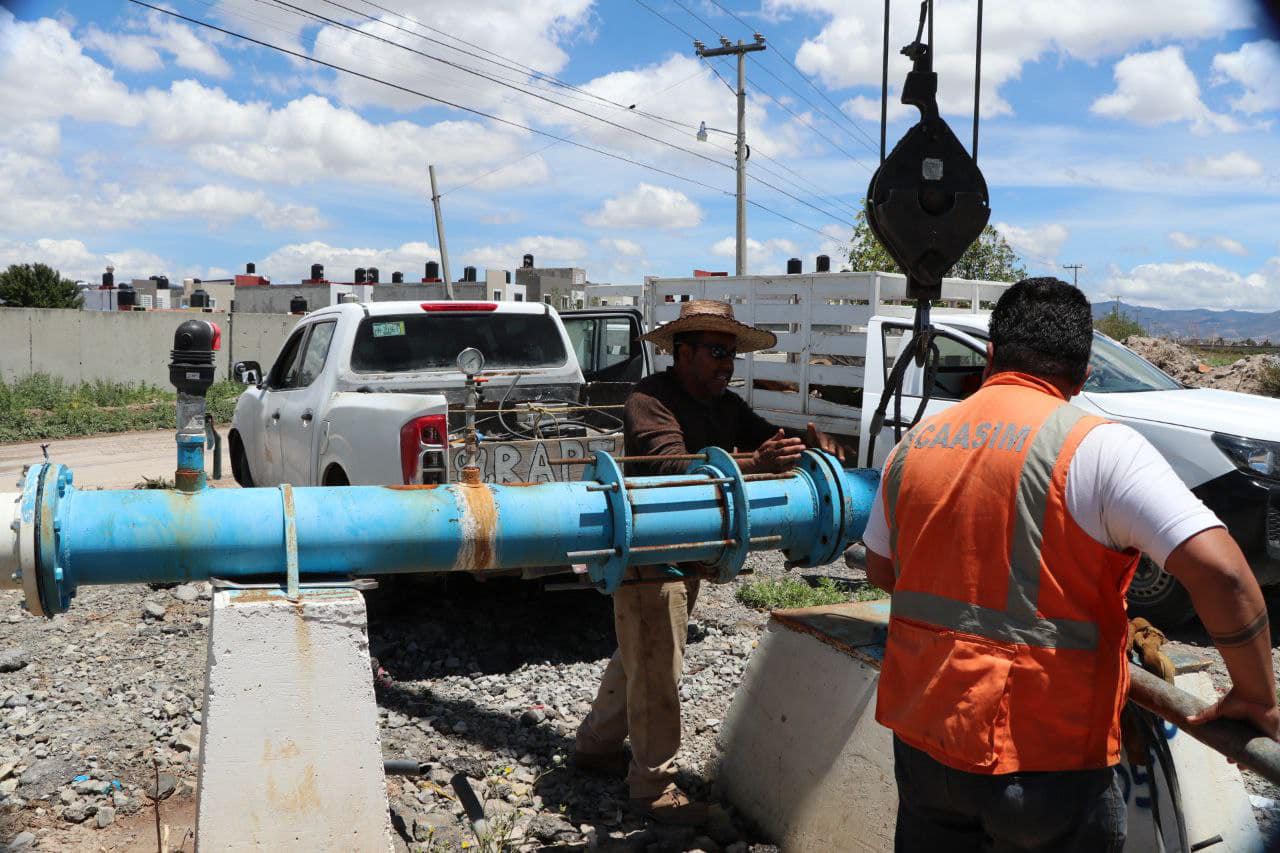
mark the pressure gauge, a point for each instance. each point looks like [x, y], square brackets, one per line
[471, 361]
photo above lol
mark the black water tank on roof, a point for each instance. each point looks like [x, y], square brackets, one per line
[432, 270]
[162, 282]
[108, 280]
[317, 272]
[824, 263]
[528, 261]
[199, 298]
[793, 266]
[297, 305]
[371, 275]
[250, 269]
[126, 297]
[468, 273]
[360, 275]
[397, 277]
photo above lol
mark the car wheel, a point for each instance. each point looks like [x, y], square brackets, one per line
[1157, 596]
[240, 463]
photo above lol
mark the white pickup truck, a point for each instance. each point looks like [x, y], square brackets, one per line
[371, 394]
[838, 336]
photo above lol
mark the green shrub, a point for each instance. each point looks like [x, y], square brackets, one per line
[1118, 325]
[43, 407]
[1271, 381]
[788, 592]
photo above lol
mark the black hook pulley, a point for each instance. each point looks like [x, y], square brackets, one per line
[928, 200]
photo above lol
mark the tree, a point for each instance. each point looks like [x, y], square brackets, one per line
[990, 257]
[37, 286]
[1118, 325]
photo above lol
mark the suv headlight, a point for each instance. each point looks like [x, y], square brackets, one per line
[1251, 455]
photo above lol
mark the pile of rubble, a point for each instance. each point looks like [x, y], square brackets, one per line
[1247, 374]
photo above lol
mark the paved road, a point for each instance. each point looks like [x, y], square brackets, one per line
[115, 461]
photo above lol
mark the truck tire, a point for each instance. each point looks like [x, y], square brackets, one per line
[1157, 596]
[240, 463]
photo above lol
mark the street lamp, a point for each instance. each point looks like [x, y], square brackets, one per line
[744, 153]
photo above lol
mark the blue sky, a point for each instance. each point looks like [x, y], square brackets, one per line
[1136, 139]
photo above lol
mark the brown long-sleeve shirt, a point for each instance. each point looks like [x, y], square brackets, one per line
[661, 419]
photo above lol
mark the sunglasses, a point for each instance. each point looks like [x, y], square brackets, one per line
[717, 350]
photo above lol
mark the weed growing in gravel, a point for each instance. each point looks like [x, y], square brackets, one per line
[1270, 381]
[785, 593]
[41, 407]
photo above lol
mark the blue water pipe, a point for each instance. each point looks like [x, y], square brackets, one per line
[62, 537]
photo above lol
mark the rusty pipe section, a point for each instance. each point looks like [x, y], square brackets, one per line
[1238, 741]
[66, 537]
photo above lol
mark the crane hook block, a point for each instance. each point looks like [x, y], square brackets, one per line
[928, 200]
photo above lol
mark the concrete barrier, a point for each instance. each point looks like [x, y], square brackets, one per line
[290, 750]
[803, 757]
[125, 346]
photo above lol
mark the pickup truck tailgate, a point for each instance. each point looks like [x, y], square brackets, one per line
[528, 461]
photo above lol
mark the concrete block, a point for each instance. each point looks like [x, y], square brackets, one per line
[803, 757]
[291, 758]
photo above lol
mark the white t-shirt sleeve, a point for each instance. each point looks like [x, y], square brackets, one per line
[1123, 493]
[876, 536]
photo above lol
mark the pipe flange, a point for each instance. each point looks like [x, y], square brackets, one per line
[826, 478]
[42, 578]
[720, 463]
[607, 574]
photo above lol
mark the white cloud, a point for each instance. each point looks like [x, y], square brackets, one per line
[869, 108]
[293, 262]
[1197, 284]
[1256, 67]
[647, 206]
[763, 256]
[74, 260]
[528, 34]
[620, 246]
[1231, 246]
[1158, 87]
[1042, 241]
[846, 52]
[45, 76]
[140, 51]
[547, 251]
[1235, 164]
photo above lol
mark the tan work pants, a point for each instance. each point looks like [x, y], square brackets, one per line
[640, 691]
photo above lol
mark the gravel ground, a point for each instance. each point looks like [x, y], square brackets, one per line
[486, 679]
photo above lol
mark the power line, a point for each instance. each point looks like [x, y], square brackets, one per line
[698, 19]
[864, 140]
[545, 98]
[474, 111]
[668, 20]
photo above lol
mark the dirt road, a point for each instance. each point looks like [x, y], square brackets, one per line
[115, 461]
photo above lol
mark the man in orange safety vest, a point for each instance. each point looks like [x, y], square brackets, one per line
[1007, 529]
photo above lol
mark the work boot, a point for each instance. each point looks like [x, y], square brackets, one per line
[603, 763]
[672, 807]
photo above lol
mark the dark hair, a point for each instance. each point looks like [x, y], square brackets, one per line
[1044, 327]
[682, 338]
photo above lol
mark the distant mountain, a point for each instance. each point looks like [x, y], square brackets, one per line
[1200, 323]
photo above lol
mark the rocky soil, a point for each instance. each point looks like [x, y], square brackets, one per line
[489, 680]
[1244, 374]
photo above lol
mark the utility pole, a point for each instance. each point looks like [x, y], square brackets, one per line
[1075, 269]
[444, 250]
[739, 50]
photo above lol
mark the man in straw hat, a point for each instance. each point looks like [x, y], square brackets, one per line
[677, 412]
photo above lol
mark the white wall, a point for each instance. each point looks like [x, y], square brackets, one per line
[129, 346]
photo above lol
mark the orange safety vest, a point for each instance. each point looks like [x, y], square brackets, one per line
[1007, 629]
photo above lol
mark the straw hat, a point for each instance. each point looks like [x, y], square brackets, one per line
[707, 315]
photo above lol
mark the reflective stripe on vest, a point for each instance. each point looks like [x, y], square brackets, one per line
[1018, 622]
